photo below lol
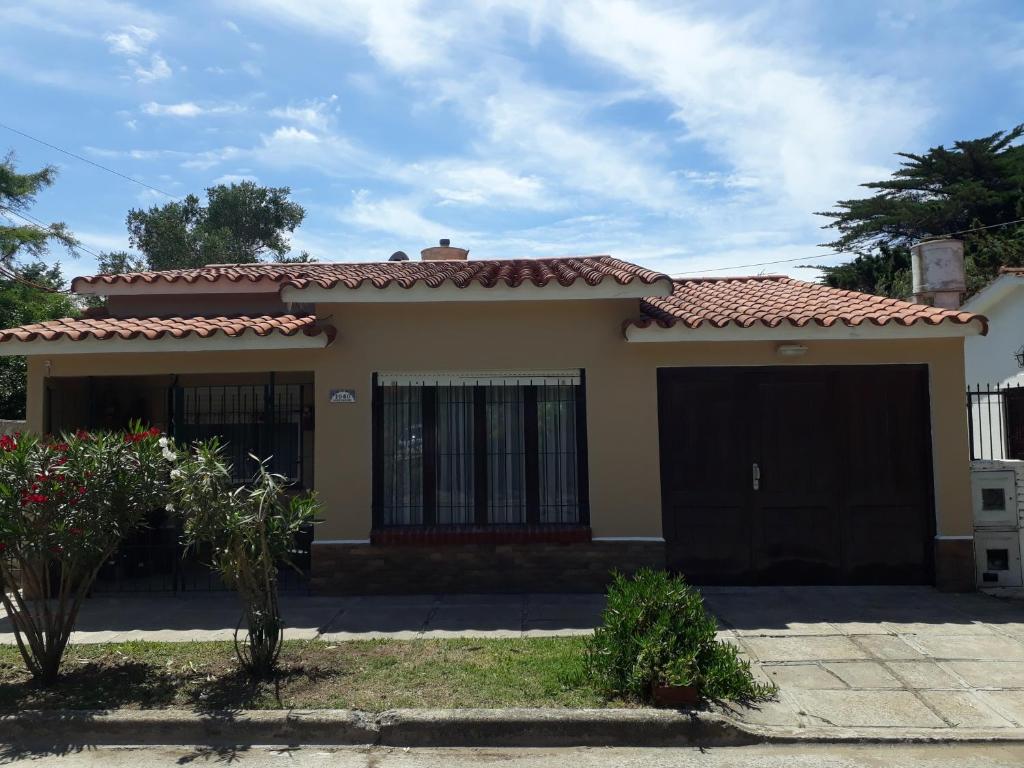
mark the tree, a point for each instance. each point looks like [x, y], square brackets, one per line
[977, 183]
[21, 302]
[22, 233]
[29, 293]
[64, 508]
[240, 224]
[251, 530]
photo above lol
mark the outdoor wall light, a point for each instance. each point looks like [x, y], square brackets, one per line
[1019, 354]
[791, 350]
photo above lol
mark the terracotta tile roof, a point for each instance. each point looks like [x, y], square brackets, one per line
[592, 270]
[771, 301]
[103, 328]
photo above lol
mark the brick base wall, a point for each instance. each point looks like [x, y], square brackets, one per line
[346, 569]
[954, 565]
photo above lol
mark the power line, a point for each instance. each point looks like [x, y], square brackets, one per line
[840, 253]
[90, 162]
[33, 222]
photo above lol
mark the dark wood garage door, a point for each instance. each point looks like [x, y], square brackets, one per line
[797, 475]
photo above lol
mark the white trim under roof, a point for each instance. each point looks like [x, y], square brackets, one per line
[811, 332]
[993, 293]
[568, 377]
[608, 288]
[218, 342]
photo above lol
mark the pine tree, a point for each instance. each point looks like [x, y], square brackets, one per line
[978, 183]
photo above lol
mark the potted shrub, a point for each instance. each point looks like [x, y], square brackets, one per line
[657, 644]
[250, 530]
[65, 506]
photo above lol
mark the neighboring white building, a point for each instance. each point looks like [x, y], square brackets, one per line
[994, 372]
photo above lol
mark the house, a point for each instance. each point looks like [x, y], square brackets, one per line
[483, 425]
[995, 369]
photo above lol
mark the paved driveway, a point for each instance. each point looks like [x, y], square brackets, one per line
[880, 657]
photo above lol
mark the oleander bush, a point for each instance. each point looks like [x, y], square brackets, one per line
[66, 504]
[656, 631]
[250, 529]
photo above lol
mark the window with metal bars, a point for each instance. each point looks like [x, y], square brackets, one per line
[471, 454]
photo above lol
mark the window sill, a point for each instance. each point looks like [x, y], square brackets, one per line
[472, 534]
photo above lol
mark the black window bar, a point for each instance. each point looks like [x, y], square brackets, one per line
[995, 421]
[264, 420]
[486, 455]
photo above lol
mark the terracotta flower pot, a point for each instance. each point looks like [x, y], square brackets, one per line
[674, 695]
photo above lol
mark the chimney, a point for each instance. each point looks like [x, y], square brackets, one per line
[939, 275]
[444, 252]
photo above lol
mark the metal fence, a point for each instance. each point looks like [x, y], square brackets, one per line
[153, 560]
[995, 417]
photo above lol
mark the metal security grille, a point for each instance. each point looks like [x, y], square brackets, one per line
[995, 417]
[459, 454]
[264, 420]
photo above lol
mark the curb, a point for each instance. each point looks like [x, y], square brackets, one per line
[447, 728]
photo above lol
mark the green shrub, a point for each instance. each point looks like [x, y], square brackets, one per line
[251, 529]
[655, 630]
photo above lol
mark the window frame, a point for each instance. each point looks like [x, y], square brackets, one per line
[480, 462]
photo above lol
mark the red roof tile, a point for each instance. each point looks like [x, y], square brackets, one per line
[591, 270]
[774, 300]
[103, 328]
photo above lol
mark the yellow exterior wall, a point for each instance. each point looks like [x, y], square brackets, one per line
[622, 422]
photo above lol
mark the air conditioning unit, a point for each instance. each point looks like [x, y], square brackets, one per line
[997, 557]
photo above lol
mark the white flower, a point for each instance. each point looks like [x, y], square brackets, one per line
[169, 507]
[162, 442]
[175, 474]
[169, 454]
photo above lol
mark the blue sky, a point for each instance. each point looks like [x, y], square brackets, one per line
[683, 136]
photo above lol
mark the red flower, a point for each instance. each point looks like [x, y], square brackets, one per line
[81, 434]
[81, 490]
[153, 432]
[61, 447]
[8, 443]
[75, 531]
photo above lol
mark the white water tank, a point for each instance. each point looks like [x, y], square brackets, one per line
[940, 278]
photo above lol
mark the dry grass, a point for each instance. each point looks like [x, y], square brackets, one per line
[371, 675]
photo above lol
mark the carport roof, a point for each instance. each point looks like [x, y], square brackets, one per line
[779, 302]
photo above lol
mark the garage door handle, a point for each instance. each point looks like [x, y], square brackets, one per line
[756, 476]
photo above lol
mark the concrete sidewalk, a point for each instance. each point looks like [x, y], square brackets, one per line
[213, 616]
[868, 660]
[879, 658]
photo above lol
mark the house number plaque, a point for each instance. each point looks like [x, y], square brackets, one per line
[343, 395]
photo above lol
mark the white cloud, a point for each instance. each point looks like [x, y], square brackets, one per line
[184, 109]
[466, 182]
[190, 109]
[314, 114]
[235, 178]
[398, 218]
[130, 40]
[402, 34]
[232, 27]
[158, 69]
[800, 126]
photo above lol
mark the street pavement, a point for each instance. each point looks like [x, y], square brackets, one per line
[766, 756]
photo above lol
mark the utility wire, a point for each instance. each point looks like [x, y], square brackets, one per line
[34, 222]
[840, 253]
[90, 162]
